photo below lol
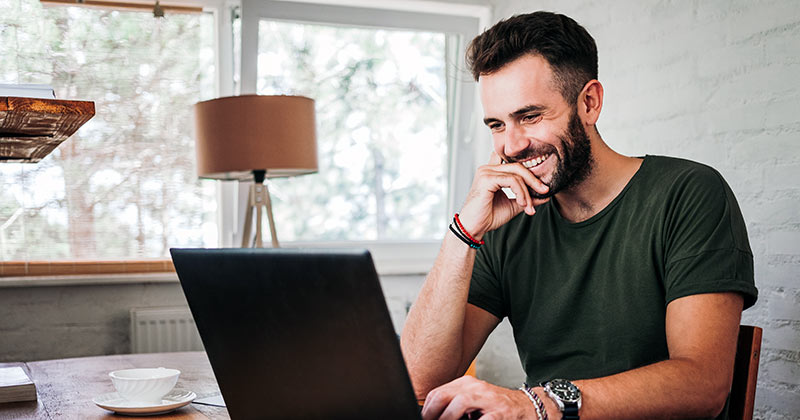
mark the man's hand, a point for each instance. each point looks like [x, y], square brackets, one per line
[487, 207]
[467, 395]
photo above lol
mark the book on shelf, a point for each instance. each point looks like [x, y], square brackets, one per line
[15, 385]
[28, 91]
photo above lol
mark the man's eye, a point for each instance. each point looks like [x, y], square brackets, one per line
[530, 118]
[495, 126]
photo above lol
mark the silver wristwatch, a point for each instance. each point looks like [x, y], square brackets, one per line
[566, 395]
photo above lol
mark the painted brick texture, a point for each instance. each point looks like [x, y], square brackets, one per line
[717, 82]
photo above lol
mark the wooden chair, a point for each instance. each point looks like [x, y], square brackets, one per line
[745, 373]
[471, 371]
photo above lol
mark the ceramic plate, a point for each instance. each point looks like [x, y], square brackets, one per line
[172, 401]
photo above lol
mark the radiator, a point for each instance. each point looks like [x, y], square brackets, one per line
[163, 329]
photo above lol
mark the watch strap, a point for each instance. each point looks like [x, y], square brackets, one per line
[570, 412]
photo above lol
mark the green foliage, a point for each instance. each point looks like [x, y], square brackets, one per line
[381, 120]
[124, 185]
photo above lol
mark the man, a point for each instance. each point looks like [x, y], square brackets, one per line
[623, 278]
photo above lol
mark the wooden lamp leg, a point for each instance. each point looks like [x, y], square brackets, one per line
[248, 219]
[258, 199]
[259, 203]
[268, 203]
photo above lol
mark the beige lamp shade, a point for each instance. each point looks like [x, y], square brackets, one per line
[238, 134]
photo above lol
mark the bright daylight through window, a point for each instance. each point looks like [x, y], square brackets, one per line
[124, 186]
[382, 130]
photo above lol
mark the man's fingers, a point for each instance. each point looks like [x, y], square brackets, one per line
[530, 179]
[451, 400]
[517, 169]
[470, 396]
[515, 177]
[439, 399]
[435, 403]
[520, 192]
[458, 406]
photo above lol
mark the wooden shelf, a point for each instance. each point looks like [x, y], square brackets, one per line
[31, 128]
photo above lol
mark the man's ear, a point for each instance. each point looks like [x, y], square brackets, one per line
[590, 102]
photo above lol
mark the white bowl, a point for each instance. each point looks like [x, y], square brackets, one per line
[145, 385]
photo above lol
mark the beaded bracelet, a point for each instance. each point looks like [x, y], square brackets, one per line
[458, 229]
[538, 405]
[464, 231]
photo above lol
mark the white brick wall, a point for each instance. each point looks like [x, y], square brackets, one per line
[714, 81]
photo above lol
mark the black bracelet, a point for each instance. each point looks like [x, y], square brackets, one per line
[463, 238]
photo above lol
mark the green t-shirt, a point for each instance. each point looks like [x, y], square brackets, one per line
[588, 299]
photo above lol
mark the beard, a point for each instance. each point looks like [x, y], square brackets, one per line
[573, 160]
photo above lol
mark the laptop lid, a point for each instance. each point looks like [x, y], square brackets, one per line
[296, 334]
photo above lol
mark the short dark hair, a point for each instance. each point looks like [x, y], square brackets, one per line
[566, 45]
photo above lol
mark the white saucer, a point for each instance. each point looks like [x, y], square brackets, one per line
[172, 401]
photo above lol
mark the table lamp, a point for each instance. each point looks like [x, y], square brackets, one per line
[256, 137]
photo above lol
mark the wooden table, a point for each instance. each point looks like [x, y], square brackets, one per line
[66, 387]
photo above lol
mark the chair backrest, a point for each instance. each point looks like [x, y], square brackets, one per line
[471, 370]
[745, 373]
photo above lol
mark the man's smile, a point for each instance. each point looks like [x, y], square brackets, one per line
[535, 161]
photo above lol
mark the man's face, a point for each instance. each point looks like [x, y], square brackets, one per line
[531, 123]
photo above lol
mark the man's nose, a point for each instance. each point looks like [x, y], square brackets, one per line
[516, 141]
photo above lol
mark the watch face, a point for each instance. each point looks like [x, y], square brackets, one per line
[565, 390]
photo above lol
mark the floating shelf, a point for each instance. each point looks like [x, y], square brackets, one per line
[31, 128]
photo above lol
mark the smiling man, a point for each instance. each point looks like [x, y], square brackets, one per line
[624, 278]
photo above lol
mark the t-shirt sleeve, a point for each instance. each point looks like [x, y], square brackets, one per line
[706, 245]
[485, 290]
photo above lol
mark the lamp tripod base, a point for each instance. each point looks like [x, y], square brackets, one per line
[257, 200]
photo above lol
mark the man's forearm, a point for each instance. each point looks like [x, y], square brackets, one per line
[673, 388]
[432, 339]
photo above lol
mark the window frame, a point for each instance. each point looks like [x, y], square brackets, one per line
[462, 20]
[65, 272]
[466, 139]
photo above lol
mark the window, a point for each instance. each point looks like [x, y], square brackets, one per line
[124, 186]
[388, 86]
[382, 123]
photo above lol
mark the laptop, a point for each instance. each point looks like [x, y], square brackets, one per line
[297, 334]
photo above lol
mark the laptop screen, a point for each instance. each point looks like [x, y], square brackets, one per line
[296, 333]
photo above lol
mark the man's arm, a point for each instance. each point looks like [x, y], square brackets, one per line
[695, 381]
[443, 333]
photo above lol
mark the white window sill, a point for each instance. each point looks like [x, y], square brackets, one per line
[391, 259]
[87, 279]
